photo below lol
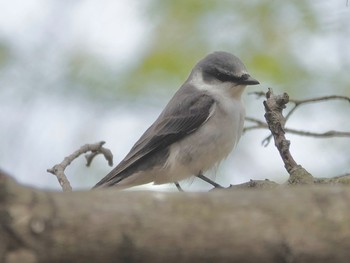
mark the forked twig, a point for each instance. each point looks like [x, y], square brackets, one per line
[259, 124]
[95, 149]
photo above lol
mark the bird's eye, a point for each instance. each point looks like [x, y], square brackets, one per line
[244, 77]
[215, 73]
[223, 76]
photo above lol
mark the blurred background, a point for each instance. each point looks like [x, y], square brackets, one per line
[76, 72]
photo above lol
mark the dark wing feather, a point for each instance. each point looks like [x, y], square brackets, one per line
[176, 121]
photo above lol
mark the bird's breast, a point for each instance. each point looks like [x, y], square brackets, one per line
[212, 142]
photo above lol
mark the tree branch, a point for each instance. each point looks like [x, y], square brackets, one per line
[220, 226]
[298, 103]
[274, 106]
[259, 124]
[95, 149]
[262, 125]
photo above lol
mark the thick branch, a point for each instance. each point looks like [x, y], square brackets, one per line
[220, 226]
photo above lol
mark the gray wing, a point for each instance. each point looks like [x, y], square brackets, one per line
[183, 115]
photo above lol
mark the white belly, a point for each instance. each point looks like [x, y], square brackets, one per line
[207, 146]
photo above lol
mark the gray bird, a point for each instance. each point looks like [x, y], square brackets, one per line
[198, 128]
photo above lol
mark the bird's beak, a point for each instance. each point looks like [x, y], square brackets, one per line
[249, 81]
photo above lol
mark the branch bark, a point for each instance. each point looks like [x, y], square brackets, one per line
[274, 106]
[277, 225]
[94, 149]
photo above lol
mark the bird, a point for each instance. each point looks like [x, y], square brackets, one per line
[198, 128]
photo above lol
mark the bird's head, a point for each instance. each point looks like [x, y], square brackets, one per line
[222, 72]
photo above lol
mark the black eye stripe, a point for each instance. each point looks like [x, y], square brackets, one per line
[244, 77]
[224, 76]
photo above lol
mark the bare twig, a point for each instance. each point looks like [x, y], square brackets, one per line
[259, 94]
[298, 103]
[274, 106]
[318, 135]
[262, 125]
[259, 124]
[95, 149]
[331, 97]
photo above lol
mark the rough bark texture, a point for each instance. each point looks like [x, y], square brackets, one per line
[286, 224]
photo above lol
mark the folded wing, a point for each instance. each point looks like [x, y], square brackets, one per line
[175, 122]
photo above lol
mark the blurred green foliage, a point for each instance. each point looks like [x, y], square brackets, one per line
[90, 72]
[266, 35]
[4, 54]
[297, 46]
